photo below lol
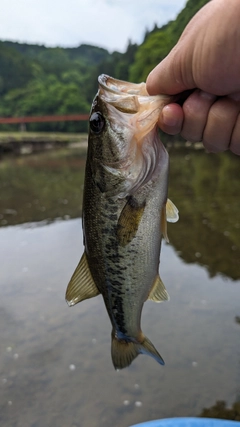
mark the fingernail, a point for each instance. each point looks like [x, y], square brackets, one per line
[168, 118]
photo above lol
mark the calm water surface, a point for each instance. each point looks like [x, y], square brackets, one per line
[55, 362]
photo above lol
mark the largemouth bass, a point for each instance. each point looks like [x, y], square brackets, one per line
[125, 208]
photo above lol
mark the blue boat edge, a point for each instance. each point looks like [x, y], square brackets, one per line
[188, 422]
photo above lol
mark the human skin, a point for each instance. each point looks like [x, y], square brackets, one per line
[206, 61]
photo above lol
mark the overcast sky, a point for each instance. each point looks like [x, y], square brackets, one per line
[105, 23]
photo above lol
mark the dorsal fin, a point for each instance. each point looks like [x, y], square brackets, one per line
[158, 292]
[81, 285]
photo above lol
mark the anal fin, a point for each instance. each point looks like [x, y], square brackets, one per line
[158, 292]
[81, 285]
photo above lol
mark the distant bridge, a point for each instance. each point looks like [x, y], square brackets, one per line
[34, 119]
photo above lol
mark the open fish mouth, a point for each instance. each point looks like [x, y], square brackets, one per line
[129, 97]
[140, 111]
[118, 86]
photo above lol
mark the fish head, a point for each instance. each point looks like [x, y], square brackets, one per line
[124, 145]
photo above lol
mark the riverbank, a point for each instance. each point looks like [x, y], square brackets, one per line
[21, 143]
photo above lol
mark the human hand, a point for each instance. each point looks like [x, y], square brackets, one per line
[206, 61]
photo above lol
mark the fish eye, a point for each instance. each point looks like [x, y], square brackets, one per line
[97, 122]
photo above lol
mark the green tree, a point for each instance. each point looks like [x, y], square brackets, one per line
[15, 69]
[46, 95]
[159, 42]
[150, 53]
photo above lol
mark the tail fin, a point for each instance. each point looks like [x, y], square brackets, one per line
[125, 351]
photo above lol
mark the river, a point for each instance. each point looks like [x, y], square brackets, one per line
[55, 361]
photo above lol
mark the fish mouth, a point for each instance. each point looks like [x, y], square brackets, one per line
[141, 110]
[117, 87]
[121, 95]
[125, 96]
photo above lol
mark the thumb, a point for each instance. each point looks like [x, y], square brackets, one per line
[169, 75]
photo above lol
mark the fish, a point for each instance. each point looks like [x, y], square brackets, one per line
[125, 213]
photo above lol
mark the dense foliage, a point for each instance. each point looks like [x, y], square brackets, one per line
[35, 80]
[159, 42]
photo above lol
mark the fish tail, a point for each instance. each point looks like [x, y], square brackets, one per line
[124, 351]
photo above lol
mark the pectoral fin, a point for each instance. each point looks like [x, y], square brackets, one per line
[158, 292]
[129, 221]
[81, 285]
[170, 214]
[171, 211]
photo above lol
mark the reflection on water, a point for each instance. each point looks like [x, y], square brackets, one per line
[206, 191]
[220, 410]
[54, 360]
[204, 187]
[41, 187]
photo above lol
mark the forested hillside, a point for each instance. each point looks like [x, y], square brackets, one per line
[35, 80]
[159, 42]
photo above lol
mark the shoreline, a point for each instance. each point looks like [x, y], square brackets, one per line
[22, 143]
